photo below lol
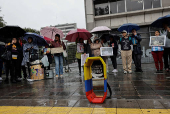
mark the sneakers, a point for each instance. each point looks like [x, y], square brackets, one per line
[115, 70]
[130, 72]
[56, 76]
[1, 79]
[61, 76]
[125, 72]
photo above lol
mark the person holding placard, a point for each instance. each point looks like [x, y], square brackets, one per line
[80, 50]
[126, 52]
[58, 57]
[157, 53]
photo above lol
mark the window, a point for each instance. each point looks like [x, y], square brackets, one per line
[133, 5]
[102, 9]
[147, 4]
[156, 3]
[113, 7]
[121, 6]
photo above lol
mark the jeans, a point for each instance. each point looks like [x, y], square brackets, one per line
[58, 65]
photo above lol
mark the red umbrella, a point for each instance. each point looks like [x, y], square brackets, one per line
[78, 33]
[48, 39]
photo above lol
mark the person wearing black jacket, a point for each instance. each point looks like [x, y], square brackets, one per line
[137, 53]
[87, 49]
[114, 45]
[15, 49]
[2, 48]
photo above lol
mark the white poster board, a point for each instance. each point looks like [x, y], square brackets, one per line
[106, 51]
[57, 50]
[80, 47]
[157, 40]
[83, 58]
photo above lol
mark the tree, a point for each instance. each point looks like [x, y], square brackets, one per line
[2, 22]
[32, 30]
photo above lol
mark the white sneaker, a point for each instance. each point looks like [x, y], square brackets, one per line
[130, 72]
[115, 70]
[125, 72]
[1, 79]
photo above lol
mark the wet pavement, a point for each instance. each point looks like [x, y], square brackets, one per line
[138, 91]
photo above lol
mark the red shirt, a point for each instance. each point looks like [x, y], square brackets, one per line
[58, 44]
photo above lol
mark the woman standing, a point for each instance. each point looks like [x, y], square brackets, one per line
[15, 49]
[157, 53]
[58, 57]
[80, 50]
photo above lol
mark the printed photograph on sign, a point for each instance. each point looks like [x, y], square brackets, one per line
[157, 40]
[80, 47]
[83, 58]
[106, 51]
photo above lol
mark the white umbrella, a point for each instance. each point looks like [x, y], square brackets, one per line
[100, 29]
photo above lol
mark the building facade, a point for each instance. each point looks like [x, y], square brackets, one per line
[66, 28]
[114, 13]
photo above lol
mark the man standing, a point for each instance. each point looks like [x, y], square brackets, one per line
[137, 53]
[126, 52]
[167, 47]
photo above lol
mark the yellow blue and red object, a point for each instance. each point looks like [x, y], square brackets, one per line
[89, 83]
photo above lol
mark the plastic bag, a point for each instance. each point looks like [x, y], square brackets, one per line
[45, 61]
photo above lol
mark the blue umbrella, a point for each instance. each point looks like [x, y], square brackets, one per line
[160, 21]
[128, 27]
[37, 39]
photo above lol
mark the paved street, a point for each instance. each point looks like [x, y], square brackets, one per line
[137, 93]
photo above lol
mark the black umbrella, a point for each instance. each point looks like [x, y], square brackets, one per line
[8, 32]
[107, 37]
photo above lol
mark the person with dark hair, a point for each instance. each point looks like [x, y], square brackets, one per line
[26, 56]
[157, 53]
[114, 45]
[58, 57]
[166, 55]
[137, 53]
[78, 54]
[15, 49]
[87, 49]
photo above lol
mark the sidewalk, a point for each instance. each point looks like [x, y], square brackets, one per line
[138, 93]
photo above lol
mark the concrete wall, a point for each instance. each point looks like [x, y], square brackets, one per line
[143, 17]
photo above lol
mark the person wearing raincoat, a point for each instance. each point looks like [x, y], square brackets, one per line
[26, 52]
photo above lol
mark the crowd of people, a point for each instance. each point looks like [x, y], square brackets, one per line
[21, 58]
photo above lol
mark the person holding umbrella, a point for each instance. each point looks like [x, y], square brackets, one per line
[166, 55]
[26, 55]
[15, 49]
[58, 57]
[137, 53]
[126, 52]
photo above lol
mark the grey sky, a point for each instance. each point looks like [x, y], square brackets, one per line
[40, 13]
